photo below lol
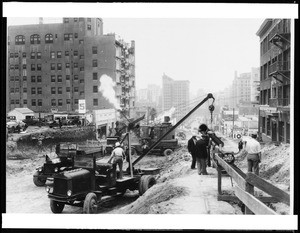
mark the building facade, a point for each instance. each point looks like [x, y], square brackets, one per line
[175, 93]
[275, 57]
[241, 89]
[254, 85]
[53, 66]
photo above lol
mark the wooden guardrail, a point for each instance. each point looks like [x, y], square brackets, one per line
[244, 191]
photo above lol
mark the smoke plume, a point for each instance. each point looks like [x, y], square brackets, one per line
[107, 89]
[160, 117]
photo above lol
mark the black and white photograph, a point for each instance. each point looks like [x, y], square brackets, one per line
[149, 116]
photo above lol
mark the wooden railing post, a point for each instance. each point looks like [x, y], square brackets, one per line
[219, 180]
[249, 189]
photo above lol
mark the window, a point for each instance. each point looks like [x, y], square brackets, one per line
[95, 63]
[20, 39]
[75, 53]
[76, 101]
[68, 101]
[52, 66]
[89, 19]
[12, 102]
[81, 68]
[16, 67]
[95, 89]
[75, 89]
[39, 66]
[67, 65]
[39, 90]
[52, 54]
[75, 77]
[95, 102]
[12, 78]
[59, 54]
[67, 53]
[53, 90]
[75, 20]
[17, 78]
[12, 67]
[68, 89]
[94, 49]
[40, 102]
[75, 65]
[58, 66]
[12, 90]
[53, 78]
[59, 78]
[11, 55]
[24, 55]
[17, 101]
[33, 67]
[66, 20]
[80, 41]
[24, 90]
[33, 91]
[81, 93]
[60, 102]
[81, 81]
[33, 79]
[81, 57]
[16, 55]
[24, 67]
[89, 27]
[24, 78]
[53, 102]
[68, 36]
[75, 35]
[59, 90]
[48, 38]
[67, 77]
[39, 55]
[35, 39]
[81, 19]
[39, 79]
[24, 101]
[32, 55]
[16, 90]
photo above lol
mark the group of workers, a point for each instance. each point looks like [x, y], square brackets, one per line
[199, 148]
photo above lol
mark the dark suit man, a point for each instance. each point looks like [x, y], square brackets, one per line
[191, 148]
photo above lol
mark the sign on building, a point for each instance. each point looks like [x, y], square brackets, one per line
[81, 106]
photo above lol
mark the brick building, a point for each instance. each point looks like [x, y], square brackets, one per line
[274, 117]
[53, 66]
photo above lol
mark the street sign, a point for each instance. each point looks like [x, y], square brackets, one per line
[81, 106]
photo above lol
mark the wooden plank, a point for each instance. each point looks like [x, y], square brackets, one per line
[228, 198]
[219, 180]
[265, 186]
[235, 175]
[250, 190]
[253, 203]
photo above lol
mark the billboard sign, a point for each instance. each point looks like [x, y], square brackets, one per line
[81, 106]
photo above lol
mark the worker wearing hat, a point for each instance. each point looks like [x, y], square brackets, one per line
[201, 150]
[118, 155]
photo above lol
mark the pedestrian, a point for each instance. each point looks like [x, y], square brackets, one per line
[191, 148]
[118, 155]
[240, 145]
[151, 134]
[60, 123]
[252, 149]
[201, 150]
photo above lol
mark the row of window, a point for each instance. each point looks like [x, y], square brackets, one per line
[54, 102]
[38, 90]
[36, 39]
[67, 20]
[53, 66]
[54, 78]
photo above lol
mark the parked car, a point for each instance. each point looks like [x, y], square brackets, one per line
[16, 126]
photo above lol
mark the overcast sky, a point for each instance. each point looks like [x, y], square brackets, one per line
[202, 43]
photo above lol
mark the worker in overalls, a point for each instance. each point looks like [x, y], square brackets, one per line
[118, 155]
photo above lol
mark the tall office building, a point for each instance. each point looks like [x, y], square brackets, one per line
[175, 93]
[54, 66]
[254, 85]
[241, 89]
[275, 57]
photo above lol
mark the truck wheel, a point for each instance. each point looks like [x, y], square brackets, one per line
[37, 180]
[146, 182]
[90, 204]
[167, 152]
[56, 207]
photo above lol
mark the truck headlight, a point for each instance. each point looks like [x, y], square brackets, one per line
[56, 169]
[69, 193]
[49, 189]
[40, 169]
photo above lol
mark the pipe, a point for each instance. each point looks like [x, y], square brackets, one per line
[174, 127]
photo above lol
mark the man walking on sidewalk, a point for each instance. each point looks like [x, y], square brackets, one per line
[201, 150]
[191, 148]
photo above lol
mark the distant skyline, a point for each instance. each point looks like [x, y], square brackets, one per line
[206, 52]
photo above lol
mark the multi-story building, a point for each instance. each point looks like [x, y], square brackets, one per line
[241, 89]
[54, 66]
[274, 117]
[175, 93]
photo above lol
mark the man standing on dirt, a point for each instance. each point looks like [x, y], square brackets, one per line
[118, 155]
[191, 148]
[201, 150]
